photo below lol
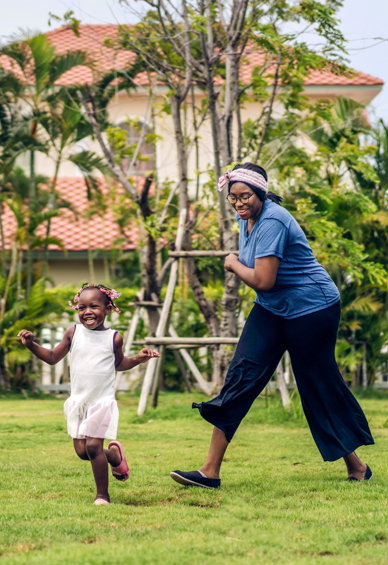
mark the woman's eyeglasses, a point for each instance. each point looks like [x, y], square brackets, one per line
[232, 199]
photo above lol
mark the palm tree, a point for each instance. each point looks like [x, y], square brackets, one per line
[30, 81]
[14, 193]
[27, 313]
[340, 203]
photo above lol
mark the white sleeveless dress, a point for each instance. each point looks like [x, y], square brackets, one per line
[91, 409]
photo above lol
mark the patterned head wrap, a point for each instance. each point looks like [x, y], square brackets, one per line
[243, 175]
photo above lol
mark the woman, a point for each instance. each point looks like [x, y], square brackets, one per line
[297, 309]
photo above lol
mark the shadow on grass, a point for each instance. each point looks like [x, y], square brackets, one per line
[265, 409]
[188, 496]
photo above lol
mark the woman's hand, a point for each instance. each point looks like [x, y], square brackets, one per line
[146, 354]
[229, 261]
[26, 337]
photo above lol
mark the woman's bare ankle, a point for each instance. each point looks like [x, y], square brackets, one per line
[210, 472]
[355, 467]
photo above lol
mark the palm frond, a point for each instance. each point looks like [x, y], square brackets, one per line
[19, 356]
[367, 304]
[60, 64]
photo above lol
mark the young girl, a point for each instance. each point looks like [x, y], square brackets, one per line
[91, 411]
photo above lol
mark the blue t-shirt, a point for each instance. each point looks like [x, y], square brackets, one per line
[302, 285]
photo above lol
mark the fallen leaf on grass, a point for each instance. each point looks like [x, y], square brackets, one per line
[149, 421]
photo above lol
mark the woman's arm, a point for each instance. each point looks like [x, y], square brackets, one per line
[52, 357]
[261, 277]
[123, 363]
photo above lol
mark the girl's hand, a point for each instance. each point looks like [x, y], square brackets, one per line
[229, 260]
[146, 354]
[26, 337]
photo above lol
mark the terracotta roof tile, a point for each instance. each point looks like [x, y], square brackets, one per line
[315, 77]
[76, 233]
[92, 39]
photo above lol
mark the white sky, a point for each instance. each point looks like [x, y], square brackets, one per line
[361, 22]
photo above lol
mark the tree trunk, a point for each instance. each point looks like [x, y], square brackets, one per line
[51, 205]
[19, 274]
[282, 385]
[182, 369]
[205, 306]
[3, 251]
[32, 195]
[221, 129]
[9, 279]
[176, 103]
[52, 345]
[92, 276]
[151, 283]
[364, 367]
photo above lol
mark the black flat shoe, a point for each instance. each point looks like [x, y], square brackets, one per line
[368, 475]
[194, 479]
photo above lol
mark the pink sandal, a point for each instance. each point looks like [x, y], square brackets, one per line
[121, 473]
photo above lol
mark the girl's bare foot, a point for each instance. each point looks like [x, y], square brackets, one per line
[101, 502]
[119, 465]
[114, 456]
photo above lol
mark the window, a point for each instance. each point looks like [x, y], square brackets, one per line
[146, 150]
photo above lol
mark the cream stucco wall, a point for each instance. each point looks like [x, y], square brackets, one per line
[136, 104]
[74, 271]
[122, 106]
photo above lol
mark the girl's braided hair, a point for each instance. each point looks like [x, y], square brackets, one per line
[110, 293]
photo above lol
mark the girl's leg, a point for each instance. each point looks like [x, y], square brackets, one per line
[99, 458]
[336, 421]
[113, 456]
[80, 448]
[95, 451]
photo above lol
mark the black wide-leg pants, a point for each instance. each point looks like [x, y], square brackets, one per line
[337, 423]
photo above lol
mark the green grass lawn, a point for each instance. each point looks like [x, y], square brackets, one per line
[279, 502]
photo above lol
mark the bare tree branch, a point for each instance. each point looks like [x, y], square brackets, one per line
[179, 49]
[242, 10]
[270, 106]
[168, 202]
[276, 154]
[163, 273]
[188, 53]
[115, 168]
[141, 139]
[221, 13]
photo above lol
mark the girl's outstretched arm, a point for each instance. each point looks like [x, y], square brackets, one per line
[52, 357]
[125, 363]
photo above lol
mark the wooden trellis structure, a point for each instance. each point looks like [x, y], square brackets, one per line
[162, 340]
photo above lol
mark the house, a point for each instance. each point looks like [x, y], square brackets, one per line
[99, 234]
